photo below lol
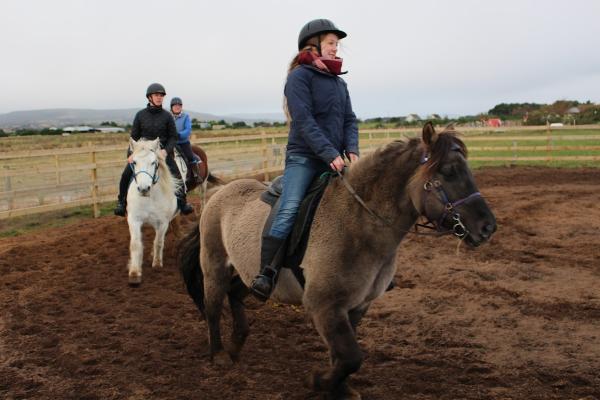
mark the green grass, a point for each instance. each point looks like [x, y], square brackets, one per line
[18, 226]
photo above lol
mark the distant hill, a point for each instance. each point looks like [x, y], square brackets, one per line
[61, 117]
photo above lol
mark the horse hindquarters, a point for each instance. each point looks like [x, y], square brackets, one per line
[208, 294]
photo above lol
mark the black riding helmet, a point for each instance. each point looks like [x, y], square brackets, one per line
[176, 101]
[155, 88]
[318, 27]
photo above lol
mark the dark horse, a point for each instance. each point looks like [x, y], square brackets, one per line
[351, 253]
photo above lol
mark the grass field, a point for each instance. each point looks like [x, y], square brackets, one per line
[37, 181]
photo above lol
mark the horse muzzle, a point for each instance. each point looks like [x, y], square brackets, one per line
[483, 232]
[144, 191]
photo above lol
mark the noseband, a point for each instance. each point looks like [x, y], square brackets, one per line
[458, 228]
[154, 176]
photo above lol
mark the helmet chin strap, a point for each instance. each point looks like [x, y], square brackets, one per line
[151, 102]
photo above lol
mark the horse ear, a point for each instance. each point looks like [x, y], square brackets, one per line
[132, 144]
[429, 134]
[156, 143]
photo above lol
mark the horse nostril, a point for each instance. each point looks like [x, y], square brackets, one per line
[488, 229]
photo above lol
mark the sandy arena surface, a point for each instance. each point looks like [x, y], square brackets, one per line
[518, 318]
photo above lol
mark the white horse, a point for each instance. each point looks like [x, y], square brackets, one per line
[150, 199]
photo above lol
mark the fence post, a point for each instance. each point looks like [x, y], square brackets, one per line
[265, 161]
[514, 149]
[95, 185]
[8, 188]
[548, 150]
[57, 174]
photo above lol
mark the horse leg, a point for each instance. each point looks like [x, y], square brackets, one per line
[216, 286]
[136, 253]
[336, 329]
[356, 315]
[159, 244]
[241, 329]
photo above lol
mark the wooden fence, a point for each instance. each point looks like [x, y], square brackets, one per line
[45, 180]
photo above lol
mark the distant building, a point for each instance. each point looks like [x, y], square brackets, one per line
[205, 125]
[109, 129]
[573, 110]
[218, 127]
[412, 118]
[494, 122]
[82, 128]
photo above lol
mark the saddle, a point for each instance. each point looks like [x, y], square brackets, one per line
[292, 252]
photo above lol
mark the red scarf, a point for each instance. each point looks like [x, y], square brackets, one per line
[309, 58]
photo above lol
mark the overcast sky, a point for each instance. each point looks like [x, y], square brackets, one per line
[449, 57]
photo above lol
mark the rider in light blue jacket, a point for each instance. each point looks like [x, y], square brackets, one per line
[183, 123]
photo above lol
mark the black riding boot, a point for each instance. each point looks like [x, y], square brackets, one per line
[263, 284]
[121, 207]
[196, 172]
[183, 205]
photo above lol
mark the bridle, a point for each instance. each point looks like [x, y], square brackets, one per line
[154, 176]
[458, 228]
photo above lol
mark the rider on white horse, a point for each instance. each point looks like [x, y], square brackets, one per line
[150, 123]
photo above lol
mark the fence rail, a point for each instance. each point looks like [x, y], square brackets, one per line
[45, 180]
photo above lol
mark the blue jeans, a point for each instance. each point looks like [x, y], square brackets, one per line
[298, 174]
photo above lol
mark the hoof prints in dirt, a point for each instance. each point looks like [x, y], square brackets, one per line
[518, 318]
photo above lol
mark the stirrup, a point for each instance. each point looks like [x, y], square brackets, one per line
[268, 273]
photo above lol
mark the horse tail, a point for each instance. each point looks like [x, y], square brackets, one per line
[189, 265]
[215, 180]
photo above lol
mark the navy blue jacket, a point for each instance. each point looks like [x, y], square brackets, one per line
[323, 124]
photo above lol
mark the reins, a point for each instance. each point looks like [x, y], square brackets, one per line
[458, 228]
[379, 218]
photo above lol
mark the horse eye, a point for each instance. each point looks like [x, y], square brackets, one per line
[448, 171]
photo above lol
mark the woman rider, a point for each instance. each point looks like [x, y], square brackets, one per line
[150, 123]
[323, 128]
[183, 123]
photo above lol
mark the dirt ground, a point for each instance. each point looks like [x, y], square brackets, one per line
[518, 318]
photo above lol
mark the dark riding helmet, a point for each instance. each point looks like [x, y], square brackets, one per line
[155, 88]
[318, 27]
[176, 101]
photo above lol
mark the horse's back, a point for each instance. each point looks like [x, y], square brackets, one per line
[235, 207]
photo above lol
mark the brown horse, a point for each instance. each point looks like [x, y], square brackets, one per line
[351, 253]
[205, 175]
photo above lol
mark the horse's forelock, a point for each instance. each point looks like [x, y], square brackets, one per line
[446, 142]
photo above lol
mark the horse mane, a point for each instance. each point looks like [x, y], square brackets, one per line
[401, 160]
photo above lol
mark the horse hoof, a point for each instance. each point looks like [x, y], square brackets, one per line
[135, 279]
[157, 265]
[220, 359]
[315, 381]
[345, 392]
